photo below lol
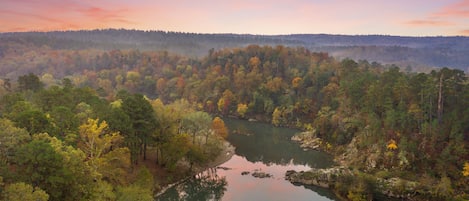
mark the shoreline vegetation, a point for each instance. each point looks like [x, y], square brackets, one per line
[342, 177]
[224, 156]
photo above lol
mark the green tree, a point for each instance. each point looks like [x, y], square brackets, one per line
[103, 191]
[144, 179]
[29, 82]
[11, 137]
[24, 192]
[169, 122]
[143, 120]
[79, 176]
[8, 101]
[38, 164]
[34, 121]
[197, 123]
[134, 193]
[176, 149]
[64, 121]
[118, 120]
[195, 155]
[53, 97]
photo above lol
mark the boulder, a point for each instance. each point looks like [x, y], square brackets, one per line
[261, 175]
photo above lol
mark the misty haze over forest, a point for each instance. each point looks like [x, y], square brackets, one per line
[419, 53]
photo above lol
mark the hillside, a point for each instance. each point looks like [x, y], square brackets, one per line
[418, 53]
[374, 118]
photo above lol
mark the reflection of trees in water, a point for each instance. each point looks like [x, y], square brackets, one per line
[203, 186]
[324, 192]
[272, 145]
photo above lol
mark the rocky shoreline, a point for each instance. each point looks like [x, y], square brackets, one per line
[330, 177]
[325, 178]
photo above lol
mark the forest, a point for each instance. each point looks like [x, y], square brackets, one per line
[420, 53]
[80, 124]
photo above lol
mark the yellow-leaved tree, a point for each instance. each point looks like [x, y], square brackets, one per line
[392, 145]
[242, 109]
[276, 116]
[103, 151]
[221, 104]
[465, 169]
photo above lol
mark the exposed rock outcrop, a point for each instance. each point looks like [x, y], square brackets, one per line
[397, 188]
[327, 178]
[368, 160]
[317, 177]
[307, 140]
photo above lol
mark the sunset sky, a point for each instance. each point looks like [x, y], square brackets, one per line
[389, 17]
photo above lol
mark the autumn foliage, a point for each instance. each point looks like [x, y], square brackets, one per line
[392, 145]
[465, 171]
[218, 125]
[418, 121]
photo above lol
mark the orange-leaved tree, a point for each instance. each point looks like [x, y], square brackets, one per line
[218, 125]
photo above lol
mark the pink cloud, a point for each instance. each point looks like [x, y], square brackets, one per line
[449, 15]
[459, 9]
[62, 15]
[24, 21]
[464, 32]
[104, 15]
[428, 23]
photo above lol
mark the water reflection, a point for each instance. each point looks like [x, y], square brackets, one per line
[260, 142]
[259, 147]
[207, 185]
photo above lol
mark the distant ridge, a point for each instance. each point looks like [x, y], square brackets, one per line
[428, 51]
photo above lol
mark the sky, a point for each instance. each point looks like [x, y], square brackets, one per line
[266, 17]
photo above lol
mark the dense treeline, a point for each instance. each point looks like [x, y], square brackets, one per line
[380, 119]
[418, 52]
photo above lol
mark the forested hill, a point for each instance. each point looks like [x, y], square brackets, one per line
[415, 52]
[374, 118]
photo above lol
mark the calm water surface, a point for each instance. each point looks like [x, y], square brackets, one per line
[259, 148]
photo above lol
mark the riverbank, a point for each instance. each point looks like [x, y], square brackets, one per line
[343, 181]
[225, 155]
[366, 182]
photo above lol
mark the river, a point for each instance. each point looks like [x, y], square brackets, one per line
[260, 148]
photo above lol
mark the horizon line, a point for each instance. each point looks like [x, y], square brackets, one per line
[220, 33]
